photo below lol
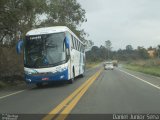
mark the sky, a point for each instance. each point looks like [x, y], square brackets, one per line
[123, 22]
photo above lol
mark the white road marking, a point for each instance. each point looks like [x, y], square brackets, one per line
[11, 94]
[156, 86]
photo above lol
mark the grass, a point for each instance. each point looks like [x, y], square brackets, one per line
[152, 70]
[2, 84]
[11, 81]
[91, 64]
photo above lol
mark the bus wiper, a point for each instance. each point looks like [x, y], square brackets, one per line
[63, 61]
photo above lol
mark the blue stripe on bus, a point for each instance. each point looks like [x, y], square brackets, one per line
[58, 76]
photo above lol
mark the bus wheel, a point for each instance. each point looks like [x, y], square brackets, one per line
[83, 74]
[71, 81]
[39, 85]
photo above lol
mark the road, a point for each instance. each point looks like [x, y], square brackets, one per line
[99, 92]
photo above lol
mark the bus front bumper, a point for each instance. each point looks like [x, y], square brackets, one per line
[58, 76]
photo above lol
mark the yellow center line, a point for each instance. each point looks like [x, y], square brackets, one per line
[56, 110]
[73, 103]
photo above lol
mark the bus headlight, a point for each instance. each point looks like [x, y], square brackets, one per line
[29, 80]
[61, 77]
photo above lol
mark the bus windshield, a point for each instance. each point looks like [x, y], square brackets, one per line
[44, 50]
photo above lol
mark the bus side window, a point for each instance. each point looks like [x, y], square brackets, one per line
[80, 47]
[76, 43]
[73, 43]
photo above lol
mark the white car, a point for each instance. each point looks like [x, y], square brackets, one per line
[108, 67]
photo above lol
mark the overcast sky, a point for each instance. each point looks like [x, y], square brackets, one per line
[123, 22]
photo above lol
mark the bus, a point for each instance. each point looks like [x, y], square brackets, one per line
[52, 54]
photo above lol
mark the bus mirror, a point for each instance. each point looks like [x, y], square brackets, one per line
[66, 40]
[19, 46]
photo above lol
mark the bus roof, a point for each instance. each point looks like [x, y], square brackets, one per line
[48, 30]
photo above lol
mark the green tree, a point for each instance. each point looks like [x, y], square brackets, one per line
[68, 13]
[142, 52]
[108, 45]
[129, 48]
[158, 51]
[18, 15]
[23, 15]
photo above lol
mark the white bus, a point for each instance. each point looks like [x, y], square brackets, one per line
[52, 54]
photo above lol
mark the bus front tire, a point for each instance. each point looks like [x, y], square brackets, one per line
[83, 74]
[71, 81]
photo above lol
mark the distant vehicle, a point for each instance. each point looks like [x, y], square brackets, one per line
[108, 66]
[52, 54]
[115, 63]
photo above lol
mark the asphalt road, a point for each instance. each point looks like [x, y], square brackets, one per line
[107, 92]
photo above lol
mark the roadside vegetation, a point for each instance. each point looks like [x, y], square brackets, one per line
[151, 66]
[2, 84]
[9, 83]
[137, 59]
[92, 64]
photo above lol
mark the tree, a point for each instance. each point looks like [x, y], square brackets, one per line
[129, 48]
[142, 52]
[158, 51]
[150, 48]
[68, 13]
[18, 15]
[103, 52]
[23, 15]
[108, 46]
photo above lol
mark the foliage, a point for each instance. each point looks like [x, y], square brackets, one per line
[66, 13]
[101, 54]
[98, 54]
[18, 15]
[142, 52]
[92, 64]
[23, 15]
[158, 51]
[129, 48]
[108, 44]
